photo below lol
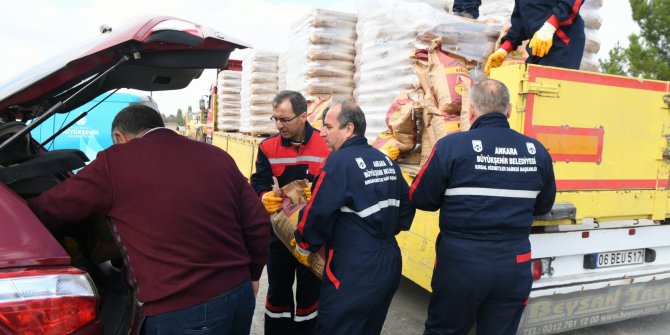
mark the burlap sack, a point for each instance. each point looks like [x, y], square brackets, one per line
[465, 110]
[448, 74]
[315, 110]
[437, 124]
[285, 222]
[401, 121]
[420, 59]
[385, 140]
[427, 140]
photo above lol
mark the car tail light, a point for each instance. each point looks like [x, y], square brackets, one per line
[540, 267]
[47, 301]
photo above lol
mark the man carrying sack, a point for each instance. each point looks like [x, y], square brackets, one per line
[295, 153]
[360, 203]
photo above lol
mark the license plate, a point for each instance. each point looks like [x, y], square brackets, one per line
[617, 258]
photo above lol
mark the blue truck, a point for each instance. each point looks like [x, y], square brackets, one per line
[92, 133]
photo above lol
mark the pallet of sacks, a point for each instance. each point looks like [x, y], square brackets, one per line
[320, 58]
[228, 100]
[258, 88]
[388, 35]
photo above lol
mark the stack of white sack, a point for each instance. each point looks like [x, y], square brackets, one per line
[228, 96]
[388, 33]
[259, 86]
[590, 12]
[320, 57]
[501, 10]
[281, 71]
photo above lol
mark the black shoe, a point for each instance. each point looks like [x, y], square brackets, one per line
[465, 14]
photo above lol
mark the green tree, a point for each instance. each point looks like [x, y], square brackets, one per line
[180, 117]
[648, 54]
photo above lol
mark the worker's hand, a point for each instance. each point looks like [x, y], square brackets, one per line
[299, 253]
[392, 152]
[495, 60]
[308, 193]
[254, 287]
[542, 40]
[271, 202]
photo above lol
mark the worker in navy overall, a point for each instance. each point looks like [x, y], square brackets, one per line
[488, 183]
[555, 30]
[296, 152]
[467, 8]
[360, 202]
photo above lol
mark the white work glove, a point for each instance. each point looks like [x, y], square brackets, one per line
[542, 40]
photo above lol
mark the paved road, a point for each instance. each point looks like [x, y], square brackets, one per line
[409, 306]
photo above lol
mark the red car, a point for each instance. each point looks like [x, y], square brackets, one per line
[71, 281]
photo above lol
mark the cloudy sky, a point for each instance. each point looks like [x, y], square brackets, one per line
[34, 30]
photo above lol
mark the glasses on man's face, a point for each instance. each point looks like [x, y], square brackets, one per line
[283, 120]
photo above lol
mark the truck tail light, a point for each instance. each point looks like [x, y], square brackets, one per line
[47, 301]
[540, 267]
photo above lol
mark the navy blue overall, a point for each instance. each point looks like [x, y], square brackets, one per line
[568, 44]
[278, 157]
[359, 203]
[468, 6]
[487, 183]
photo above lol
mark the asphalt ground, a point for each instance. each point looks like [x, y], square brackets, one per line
[410, 306]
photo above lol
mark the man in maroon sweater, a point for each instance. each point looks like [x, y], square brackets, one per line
[193, 234]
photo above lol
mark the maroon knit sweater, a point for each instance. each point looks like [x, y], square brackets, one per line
[189, 223]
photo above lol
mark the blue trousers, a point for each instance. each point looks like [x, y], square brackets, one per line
[468, 6]
[487, 282]
[358, 286]
[282, 316]
[228, 314]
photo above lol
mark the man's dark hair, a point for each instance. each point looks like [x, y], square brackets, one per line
[298, 102]
[349, 113]
[136, 118]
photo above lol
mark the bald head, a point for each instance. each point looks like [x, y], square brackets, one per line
[349, 112]
[489, 96]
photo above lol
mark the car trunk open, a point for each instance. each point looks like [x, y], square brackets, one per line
[149, 54]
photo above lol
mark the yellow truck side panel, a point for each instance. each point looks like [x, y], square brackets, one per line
[606, 134]
[418, 248]
[242, 148]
